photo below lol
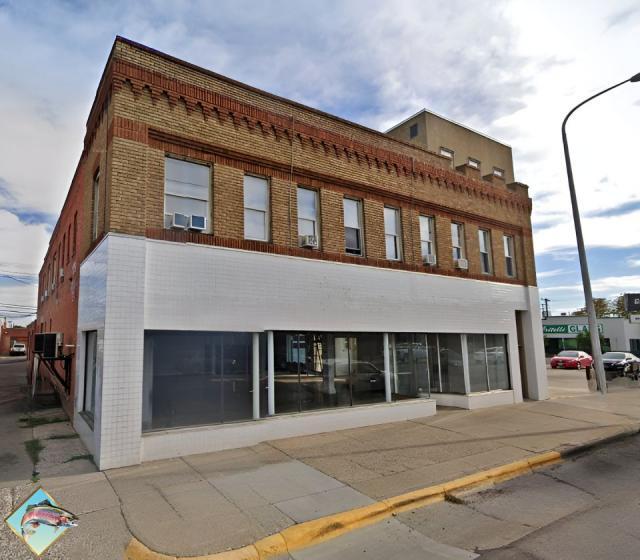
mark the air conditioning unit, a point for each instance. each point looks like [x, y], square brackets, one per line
[309, 241]
[46, 293]
[429, 259]
[198, 223]
[49, 345]
[61, 273]
[462, 264]
[180, 221]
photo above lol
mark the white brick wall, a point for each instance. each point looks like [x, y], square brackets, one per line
[160, 285]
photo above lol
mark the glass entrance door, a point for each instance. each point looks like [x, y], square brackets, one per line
[411, 375]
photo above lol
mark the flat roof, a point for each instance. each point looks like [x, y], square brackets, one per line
[452, 122]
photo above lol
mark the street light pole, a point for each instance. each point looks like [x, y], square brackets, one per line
[586, 282]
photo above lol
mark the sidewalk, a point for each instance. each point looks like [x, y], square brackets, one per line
[211, 502]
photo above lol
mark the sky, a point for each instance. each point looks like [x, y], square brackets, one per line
[508, 68]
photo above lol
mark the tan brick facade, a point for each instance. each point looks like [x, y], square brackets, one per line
[150, 106]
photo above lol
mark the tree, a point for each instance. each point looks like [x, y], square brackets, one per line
[616, 306]
[583, 342]
[602, 308]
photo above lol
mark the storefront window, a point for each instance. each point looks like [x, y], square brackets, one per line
[325, 370]
[451, 365]
[193, 378]
[497, 361]
[410, 365]
[477, 363]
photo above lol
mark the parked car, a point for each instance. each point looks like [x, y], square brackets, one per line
[571, 359]
[622, 363]
[18, 349]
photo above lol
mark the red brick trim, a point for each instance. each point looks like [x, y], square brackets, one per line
[192, 148]
[265, 247]
[212, 104]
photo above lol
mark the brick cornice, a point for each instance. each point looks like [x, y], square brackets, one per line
[265, 247]
[211, 103]
[190, 147]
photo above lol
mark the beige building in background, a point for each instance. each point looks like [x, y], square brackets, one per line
[469, 151]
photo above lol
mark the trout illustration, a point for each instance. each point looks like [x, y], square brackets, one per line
[45, 513]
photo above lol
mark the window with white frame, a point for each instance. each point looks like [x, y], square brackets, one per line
[186, 194]
[427, 236]
[457, 241]
[353, 226]
[256, 208]
[392, 233]
[307, 213]
[484, 240]
[95, 200]
[498, 172]
[509, 258]
[472, 162]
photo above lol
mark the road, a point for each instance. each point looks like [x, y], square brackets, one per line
[587, 507]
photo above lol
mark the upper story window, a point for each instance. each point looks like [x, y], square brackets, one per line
[498, 172]
[186, 195]
[95, 203]
[509, 257]
[413, 130]
[308, 217]
[353, 226]
[446, 152]
[256, 208]
[392, 233]
[75, 234]
[471, 162]
[427, 239]
[484, 240]
[457, 241]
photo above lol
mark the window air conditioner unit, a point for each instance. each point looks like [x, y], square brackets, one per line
[429, 259]
[48, 345]
[198, 223]
[46, 294]
[462, 264]
[61, 273]
[309, 241]
[179, 221]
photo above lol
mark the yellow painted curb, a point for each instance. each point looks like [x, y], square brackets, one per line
[271, 546]
[319, 530]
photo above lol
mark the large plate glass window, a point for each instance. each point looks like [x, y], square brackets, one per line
[256, 208]
[488, 362]
[509, 259]
[186, 193]
[307, 213]
[353, 226]
[90, 373]
[484, 240]
[392, 233]
[427, 236]
[457, 241]
[194, 378]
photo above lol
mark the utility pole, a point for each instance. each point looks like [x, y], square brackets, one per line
[545, 308]
[582, 255]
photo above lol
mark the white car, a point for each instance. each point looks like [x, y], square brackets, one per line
[18, 349]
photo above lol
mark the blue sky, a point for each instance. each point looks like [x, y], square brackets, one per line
[510, 68]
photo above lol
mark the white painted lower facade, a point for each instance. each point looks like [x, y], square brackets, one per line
[132, 284]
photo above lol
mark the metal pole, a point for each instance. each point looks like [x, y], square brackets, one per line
[586, 282]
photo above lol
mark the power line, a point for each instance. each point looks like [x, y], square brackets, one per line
[16, 279]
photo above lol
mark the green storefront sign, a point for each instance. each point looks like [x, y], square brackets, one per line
[567, 329]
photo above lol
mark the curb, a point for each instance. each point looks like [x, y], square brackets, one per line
[309, 533]
[596, 443]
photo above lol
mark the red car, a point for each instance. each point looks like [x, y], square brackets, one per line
[571, 359]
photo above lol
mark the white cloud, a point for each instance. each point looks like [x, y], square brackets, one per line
[633, 262]
[550, 273]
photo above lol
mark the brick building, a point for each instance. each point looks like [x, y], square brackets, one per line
[9, 335]
[231, 255]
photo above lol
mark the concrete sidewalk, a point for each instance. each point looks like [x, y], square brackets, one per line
[211, 502]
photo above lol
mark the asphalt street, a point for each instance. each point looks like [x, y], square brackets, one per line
[587, 507]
